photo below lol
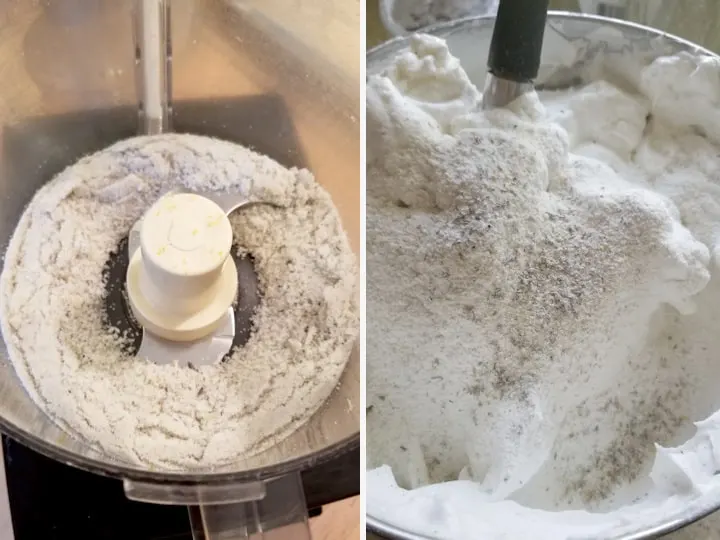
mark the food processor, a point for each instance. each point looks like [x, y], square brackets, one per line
[572, 43]
[78, 75]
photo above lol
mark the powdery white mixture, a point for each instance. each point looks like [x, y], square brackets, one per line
[414, 14]
[543, 296]
[168, 416]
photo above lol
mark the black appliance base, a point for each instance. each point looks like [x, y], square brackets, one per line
[53, 501]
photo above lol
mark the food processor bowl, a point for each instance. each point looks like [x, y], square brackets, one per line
[571, 43]
[282, 80]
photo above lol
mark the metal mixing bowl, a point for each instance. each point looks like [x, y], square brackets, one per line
[283, 82]
[468, 40]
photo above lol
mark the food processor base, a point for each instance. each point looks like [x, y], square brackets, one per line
[42, 507]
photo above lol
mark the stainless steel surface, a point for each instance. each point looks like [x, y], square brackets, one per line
[153, 61]
[469, 40]
[386, 10]
[501, 92]
[607, 8]
[202, 352]
[285, 82]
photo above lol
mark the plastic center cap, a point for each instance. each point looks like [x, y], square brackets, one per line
[181, 282]
[186, 235]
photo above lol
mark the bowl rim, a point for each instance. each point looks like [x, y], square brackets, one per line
[450, 26]
[444, 29]
[180, 478]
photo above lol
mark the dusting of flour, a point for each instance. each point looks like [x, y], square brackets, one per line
[541, 289]
[165, 416]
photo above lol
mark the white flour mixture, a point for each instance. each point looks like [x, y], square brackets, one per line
[163, 415]
[543, 300]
